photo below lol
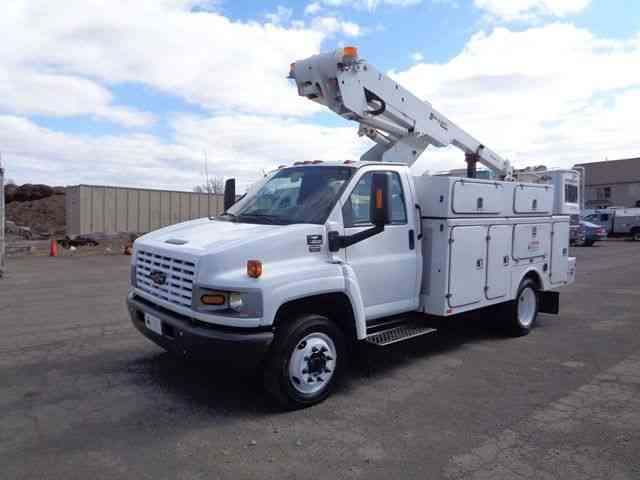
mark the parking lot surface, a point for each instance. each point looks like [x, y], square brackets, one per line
[84, 396]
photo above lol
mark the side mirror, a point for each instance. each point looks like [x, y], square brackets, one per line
[380, 203]
[229, 193]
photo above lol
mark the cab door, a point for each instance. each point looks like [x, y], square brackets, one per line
[386, 265]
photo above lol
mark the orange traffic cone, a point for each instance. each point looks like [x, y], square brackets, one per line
[53, 249]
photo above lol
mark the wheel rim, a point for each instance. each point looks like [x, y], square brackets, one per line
[526, 306]
[312, 363]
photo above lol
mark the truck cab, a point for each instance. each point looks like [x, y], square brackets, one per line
[227, 284]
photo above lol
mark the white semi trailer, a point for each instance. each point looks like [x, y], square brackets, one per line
[322, 255]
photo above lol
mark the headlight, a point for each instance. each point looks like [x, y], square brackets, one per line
[236, 302]
[224, 302]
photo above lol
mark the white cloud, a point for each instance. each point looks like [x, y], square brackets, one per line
[313, 8]
[417, 57]
[29, 92]
[526, 9]
[555, 95]
[63, 60]
[332, 25]
[369, 4]
[203, 57]
[280, 16]
[241, 146]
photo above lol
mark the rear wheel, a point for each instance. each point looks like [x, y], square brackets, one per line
[520, 315]
[589, 243]
[635, 234]
[306, 360]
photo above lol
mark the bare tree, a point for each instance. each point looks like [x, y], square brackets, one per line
[213, 185]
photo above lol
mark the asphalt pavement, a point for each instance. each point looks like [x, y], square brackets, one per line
[84, 396]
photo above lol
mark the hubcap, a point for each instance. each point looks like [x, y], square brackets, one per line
[526, 306]
[312, 363]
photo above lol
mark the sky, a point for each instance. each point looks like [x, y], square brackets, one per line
[138, 93]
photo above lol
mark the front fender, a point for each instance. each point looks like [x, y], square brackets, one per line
[297, 289]
[344, 281]
[355, 297]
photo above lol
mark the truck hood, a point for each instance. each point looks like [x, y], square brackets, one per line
[210, 236]
[221, 249]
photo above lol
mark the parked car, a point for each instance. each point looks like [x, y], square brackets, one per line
[592, 233]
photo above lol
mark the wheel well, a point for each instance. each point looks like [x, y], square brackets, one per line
[335, 306]
[535, 277]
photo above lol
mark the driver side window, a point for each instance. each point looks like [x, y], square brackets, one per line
[356, 210]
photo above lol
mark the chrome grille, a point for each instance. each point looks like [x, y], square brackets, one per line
[178, 274]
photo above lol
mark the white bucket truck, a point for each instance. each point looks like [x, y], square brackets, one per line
[321, 255]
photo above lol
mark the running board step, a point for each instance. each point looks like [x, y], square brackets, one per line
[398, 334]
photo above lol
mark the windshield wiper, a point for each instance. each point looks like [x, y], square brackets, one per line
[270, 219]
[231, 216]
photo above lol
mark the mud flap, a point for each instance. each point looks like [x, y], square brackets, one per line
[549, 302]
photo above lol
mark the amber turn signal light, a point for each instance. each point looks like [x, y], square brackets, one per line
[212, 299]
[351, 52]
[254, 268]
[378, 199]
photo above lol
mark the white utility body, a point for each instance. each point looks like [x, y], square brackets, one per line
[320, 254]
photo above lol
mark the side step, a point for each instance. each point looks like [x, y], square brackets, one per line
[396, 334]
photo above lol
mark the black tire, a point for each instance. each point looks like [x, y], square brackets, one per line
[635, 234]
[511, 318]
[277, 379]
[589, 243]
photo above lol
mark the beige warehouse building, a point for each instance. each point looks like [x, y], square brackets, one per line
[612, 183]
[93, 209]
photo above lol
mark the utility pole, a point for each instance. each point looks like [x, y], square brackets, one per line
[2, 215]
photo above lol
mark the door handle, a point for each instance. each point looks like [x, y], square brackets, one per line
[412, 240]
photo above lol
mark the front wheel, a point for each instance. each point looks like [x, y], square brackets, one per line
[635, 234]
[520, 315]
[305, 362]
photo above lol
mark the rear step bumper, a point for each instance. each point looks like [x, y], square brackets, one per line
[398, 333]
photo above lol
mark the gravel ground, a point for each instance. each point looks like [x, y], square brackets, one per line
[83, 395]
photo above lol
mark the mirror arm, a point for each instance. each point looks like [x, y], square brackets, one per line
[337, 241]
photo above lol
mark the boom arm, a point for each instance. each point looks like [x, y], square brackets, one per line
[401, 124]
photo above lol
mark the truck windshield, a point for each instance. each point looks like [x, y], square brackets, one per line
[294, 195]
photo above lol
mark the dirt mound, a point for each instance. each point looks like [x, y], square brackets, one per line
[29, 192]
[44, 216]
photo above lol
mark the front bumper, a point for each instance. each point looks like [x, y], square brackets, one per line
[238, 347]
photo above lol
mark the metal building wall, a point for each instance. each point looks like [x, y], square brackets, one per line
[2, 239]
[97, 209]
